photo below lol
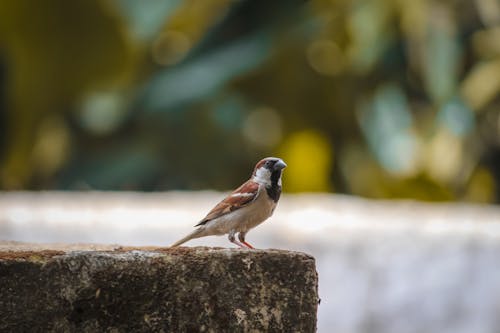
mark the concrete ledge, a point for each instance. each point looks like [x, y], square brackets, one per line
[144, 289]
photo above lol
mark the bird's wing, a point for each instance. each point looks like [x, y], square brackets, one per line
[240, 197]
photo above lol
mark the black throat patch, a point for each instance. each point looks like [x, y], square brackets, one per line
[274, 191]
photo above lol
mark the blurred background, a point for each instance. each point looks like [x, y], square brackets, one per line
[165, 103]
[381, 99]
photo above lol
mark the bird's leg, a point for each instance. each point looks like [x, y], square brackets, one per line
[233, 240]
[241, 237]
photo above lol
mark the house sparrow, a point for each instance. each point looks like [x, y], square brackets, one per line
[246, 207]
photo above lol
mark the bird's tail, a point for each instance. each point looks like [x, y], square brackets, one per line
[195, 234]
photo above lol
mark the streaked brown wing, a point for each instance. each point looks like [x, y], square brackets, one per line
[240, 197]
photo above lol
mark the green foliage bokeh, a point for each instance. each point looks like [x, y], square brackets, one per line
[383, 99]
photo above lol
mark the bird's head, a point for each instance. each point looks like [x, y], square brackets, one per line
[268, 171]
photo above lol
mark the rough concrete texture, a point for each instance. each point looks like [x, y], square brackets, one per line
[161, 290]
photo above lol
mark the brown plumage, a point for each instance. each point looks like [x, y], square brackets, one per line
[233, 201]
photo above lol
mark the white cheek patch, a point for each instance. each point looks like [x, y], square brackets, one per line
[262, 176]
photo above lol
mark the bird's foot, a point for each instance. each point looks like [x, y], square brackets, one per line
[248, 245]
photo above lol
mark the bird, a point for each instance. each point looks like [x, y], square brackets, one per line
[244, 208]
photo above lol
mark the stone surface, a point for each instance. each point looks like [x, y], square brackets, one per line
[144, 289]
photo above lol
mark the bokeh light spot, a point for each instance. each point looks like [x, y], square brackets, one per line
[444, 156]
[481, 84]
[457, 117]
[325, 57]
[309, 157]
[52, 145]
[101, 113]
[387, 124]
[170, 47]
[262, 127]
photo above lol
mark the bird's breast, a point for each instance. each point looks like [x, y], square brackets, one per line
[256, 212]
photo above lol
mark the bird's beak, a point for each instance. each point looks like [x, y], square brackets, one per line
[279, 165]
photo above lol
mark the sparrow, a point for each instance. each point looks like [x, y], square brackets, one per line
[246, 207]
